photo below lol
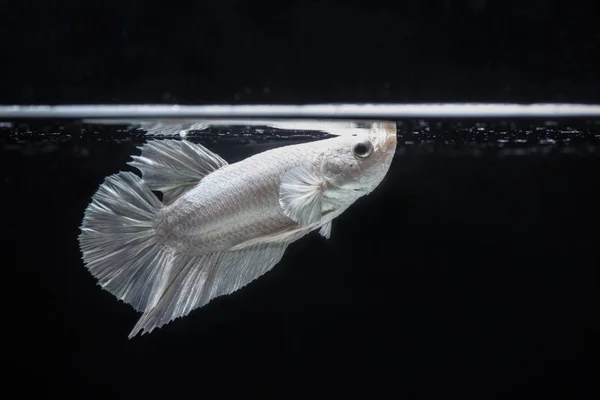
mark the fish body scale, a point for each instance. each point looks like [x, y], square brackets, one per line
[236, 203]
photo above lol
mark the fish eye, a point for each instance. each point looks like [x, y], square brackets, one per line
[363, 149]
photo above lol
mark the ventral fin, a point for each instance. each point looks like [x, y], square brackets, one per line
[198, 279]
[175, 166]
[325, 230]
[301, 195]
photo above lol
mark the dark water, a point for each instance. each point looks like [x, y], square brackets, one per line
[472, 268]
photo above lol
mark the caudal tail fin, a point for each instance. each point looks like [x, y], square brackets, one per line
[120, 248]
[118, 241]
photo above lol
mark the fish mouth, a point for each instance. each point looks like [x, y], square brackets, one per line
[390, 141]
[384, 135]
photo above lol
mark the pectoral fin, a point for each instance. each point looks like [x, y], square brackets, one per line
[301, 195]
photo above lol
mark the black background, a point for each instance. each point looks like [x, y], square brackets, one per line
[460, 274]
[299, 51]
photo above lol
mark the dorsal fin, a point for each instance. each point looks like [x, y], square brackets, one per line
[175, 166]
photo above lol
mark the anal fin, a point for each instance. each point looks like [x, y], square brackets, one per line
[196, 280]
[175, 166]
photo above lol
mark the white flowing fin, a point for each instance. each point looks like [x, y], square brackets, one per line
[288, 235]
[175, 166]
[325, 230]
[118, 243]
[168, 128]
[301, 194]
[182, 127]
[197, 280]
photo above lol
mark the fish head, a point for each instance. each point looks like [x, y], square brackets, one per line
[360, 161]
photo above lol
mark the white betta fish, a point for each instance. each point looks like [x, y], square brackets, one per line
[220, 225]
